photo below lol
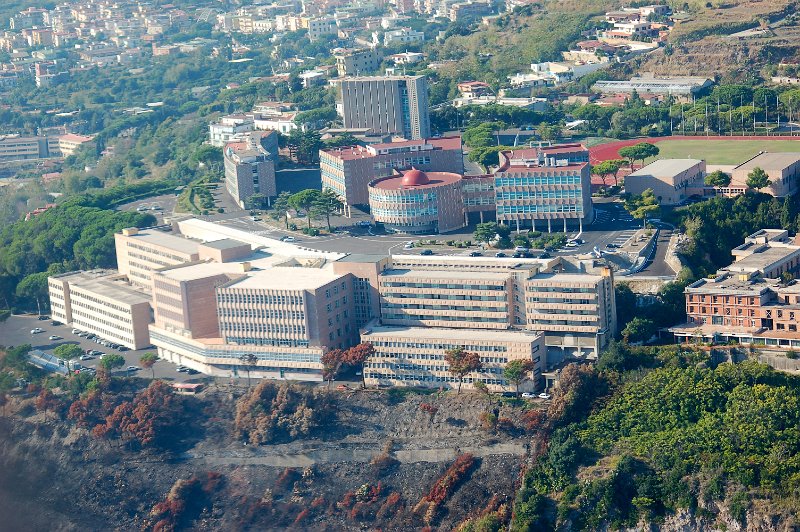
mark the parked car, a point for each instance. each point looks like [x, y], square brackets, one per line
[571, 245]
[528, 395]
[500, 254]
[520, 249]
[612, 245]
[75, 331]
[545, 255]
[475, 254]
[85, 357]
[342, 387]
[517, 255]
[190, 371]
[134, 368]
[409, 245]
[364, 223]
[56, 323]
[55, 337]
[544, 395]
[37, 330]
[288, 239]
[42, 318]
[122, 348]
[426, 252]
[181, 369]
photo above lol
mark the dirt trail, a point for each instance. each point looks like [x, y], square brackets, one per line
[338, 454]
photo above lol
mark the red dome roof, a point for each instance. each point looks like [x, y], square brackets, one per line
[414, 178]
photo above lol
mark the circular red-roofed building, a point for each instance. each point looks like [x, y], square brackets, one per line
[417, 202]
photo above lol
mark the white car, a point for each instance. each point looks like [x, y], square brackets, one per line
[544, 395]
[528, 395]
[134, 368]
[288, 239]
[55, 337]
[520, 249]
[571, 245]
[409, 245]
[75, 331]
[37, 330]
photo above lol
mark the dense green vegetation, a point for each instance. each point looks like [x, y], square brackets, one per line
[679, 436]
[76, 235]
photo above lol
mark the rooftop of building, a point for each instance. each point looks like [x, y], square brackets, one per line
[372, 150]
[108, 284]
[414, 179]
[729, 284]
[380, 78]
[450, 335]
[225, 243]
[771, 161]
[362, 258]
[285, 278]
[763, 257]
[666, 167]
[162, 239]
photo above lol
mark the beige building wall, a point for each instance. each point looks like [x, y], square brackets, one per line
[412, 356]
[101, 302]
[365, 271]
[139, 252]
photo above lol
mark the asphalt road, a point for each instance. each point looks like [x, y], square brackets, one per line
[17, 331]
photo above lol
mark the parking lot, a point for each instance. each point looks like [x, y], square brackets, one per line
[17, 331]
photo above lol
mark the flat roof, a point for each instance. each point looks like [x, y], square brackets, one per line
[108, 284]
[763, 258]
[225, 243]
[451, 335]
[358, 257]
[771, 161]
[446, 274]
[297, 278]
[160, 238]
[363, 152]
[666, 167]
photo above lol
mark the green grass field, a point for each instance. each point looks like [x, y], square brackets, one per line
[721, 151]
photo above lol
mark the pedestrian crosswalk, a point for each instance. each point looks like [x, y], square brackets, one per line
[623, 237]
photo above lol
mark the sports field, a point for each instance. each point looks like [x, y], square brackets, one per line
[722, 151]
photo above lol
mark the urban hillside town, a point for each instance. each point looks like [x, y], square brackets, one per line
[472, 265]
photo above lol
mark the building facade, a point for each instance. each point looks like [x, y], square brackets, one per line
[754, 301]
[544, 188]
[348, 170]
[671, 180]
[357, 61]
[783, 170]
[250, 166]
[139, 252]
[416, 202]
[396, 105]
[102, 302]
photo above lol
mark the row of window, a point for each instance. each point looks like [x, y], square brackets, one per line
[538, 180]
[453, 308]
[223, 352]
[452, 297]
[533, 209]
[151, 251]
[443, 286]
[258, 299]
[402, 199]
[438, 347]
[418, 317]
[568, 193]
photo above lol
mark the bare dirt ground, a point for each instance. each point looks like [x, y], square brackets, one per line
[54, 476]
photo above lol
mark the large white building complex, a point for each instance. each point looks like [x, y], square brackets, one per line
[225, 302]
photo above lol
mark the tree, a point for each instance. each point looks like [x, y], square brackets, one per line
[281, 208]
[326, 203]
[718, 178]
[33, 288]
[358, 355]
[304, 201]
[639, 152]
[488, 231]
[3, 401]
[642, 205]
[638, 330]
[148, 360]
[67, 352]
[517, 371]
[111, 362]
[461, 363]
[248, 360]
[758, 179]
[609, 167]
[331, 363]
[46, 401]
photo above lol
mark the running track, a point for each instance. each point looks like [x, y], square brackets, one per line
[604, 152]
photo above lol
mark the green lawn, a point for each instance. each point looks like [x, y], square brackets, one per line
[722, 151]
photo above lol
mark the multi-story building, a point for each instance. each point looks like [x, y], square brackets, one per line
[349, 170]
[317, 27]
[70, 143]
[753, 301]
[671, 180]
[20, 148]
[229, 128]
[783, 170]
[415, 356]
[102, 302]
[470, 10]
[550, 185]
[250, 166]
[356, 62]
[399, 36]
[140, 251]
[417, 202]
[396, 105]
